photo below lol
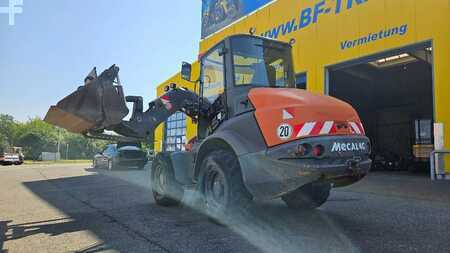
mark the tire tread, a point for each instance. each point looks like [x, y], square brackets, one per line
[176, 189]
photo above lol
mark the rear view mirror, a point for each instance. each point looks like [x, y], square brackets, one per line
[186, 69]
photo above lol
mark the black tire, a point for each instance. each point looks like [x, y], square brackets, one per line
[221, 185]
[309, 196]
[166, 191]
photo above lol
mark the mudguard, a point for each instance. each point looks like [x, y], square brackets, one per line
[241, 134]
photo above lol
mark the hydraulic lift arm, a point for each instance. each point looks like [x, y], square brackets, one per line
[100, 107]
[143, 124]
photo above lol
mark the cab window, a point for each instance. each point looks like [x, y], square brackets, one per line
[213, 77]
[259, 63]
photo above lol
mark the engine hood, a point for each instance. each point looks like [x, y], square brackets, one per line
[284, 115]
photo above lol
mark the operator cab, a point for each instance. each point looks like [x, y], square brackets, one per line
[230, 69]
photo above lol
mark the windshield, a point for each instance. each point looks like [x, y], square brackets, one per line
[261, 62]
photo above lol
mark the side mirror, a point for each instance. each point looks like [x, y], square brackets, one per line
[186, 69]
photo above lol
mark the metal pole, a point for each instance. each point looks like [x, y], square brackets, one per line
[59, 143]
[433, 169]
[432, 166]
[67, 151]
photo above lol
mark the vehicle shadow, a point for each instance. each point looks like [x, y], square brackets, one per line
[53, 227]
[124, 217]
[3, 229]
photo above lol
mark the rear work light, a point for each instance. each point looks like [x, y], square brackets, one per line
[318, 150]
[303, 149]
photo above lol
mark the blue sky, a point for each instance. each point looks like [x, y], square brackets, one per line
[55, 43]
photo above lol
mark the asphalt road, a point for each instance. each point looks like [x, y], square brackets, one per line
[73, 208]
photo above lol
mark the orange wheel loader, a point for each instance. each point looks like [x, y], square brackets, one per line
[258, 136]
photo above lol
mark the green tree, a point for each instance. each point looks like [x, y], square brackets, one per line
[37, 136]
[3, 143]
[33, 144]
[7, 130]
[81, 147]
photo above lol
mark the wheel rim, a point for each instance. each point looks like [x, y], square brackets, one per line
[216, 188]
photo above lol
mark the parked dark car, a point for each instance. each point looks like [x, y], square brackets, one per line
[121, 156]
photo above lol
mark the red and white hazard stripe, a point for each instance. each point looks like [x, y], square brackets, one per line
[166, 101]
[324, 128]
[357, 127]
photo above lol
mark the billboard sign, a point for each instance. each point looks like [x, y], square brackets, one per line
[216, 14]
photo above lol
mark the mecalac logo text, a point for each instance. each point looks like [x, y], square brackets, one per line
[348, 146]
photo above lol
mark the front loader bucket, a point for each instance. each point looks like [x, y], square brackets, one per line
[98, 105]
[68, 121]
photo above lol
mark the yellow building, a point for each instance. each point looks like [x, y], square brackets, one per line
[388, 58]
[167, 138]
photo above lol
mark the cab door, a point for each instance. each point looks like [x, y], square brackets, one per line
[213, 89]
